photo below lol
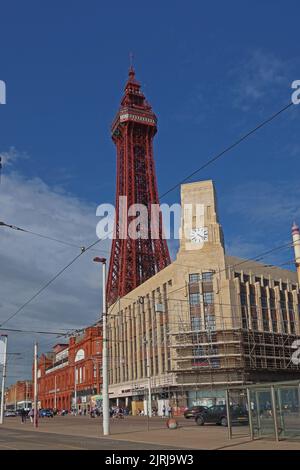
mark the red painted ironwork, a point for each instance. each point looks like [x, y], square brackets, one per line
[133, 261]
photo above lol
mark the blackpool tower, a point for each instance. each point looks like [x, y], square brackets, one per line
[135, 257]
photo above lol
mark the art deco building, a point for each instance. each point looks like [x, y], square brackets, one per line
[206, 321]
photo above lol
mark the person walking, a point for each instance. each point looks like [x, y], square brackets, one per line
[169, 411]
[23, 415]
[31, 415]
[164, 411]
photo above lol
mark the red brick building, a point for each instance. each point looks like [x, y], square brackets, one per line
[19, 395]
[72, 372]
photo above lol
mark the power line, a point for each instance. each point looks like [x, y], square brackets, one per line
[17, 330]
[209, 162]
[47, 237]
[230, 147]
[84, 250]
[256, 258]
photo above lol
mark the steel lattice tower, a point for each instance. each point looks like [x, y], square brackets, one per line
[133, 261]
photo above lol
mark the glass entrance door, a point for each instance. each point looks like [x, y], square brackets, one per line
[261, 412]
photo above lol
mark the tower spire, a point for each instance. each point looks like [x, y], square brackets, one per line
[131, 72]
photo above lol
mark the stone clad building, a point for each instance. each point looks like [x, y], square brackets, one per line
[206, 321]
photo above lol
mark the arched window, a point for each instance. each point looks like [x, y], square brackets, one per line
[79, 355]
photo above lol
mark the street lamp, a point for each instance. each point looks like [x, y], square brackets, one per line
[105, 396]
[4, 364]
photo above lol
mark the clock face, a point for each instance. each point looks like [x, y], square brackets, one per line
[199, 235]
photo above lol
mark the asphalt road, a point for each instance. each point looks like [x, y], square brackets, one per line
[14, 439]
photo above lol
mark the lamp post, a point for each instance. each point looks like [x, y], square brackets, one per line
[105, 396]
[55, 392]
[4, 360]
[36, 413]
[75, 390]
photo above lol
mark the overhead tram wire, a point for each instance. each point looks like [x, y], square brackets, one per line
[44, 287]
[19, 330]
[47, 237]
[209, 162]
[230, 147]
[78, 330]
[255, 258]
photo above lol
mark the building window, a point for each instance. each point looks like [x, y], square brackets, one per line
[196, 323]
[199, 351]
[244, 316]
[254, 319]
[208, 298]
[215, 362]
[195, 277]
[210, 322]
[292, 318]
[195, 299]
[207, 276]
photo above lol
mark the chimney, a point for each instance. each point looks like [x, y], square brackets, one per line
[296, 243]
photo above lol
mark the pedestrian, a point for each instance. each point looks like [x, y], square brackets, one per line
[170, 411]
[164, 411]
[23, 415]
[31, 415]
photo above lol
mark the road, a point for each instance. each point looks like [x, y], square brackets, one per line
[131, 433]
[16, 439]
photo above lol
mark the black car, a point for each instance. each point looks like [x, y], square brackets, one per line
[218, 415]
[193, 411]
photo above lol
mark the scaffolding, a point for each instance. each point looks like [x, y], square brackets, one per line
[236, 355]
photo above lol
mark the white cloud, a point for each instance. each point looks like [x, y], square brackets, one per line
[28, 262]
[262, 76]
[10, 157]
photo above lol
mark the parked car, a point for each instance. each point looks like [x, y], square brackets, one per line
[193, 411]
[46, 413]
[10, 414]
[218, 415]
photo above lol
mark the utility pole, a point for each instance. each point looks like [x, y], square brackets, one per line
[4, 340]
[148, 359]
[55, 392]
[75, 389]
[36, 413]
[105, 395]
[26, 394]
[149, 380]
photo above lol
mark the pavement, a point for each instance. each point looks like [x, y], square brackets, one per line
[130, 433]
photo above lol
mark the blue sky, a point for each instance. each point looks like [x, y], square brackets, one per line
[212, 71]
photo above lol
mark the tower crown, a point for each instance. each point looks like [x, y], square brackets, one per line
[134, 106]
[295, 228]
